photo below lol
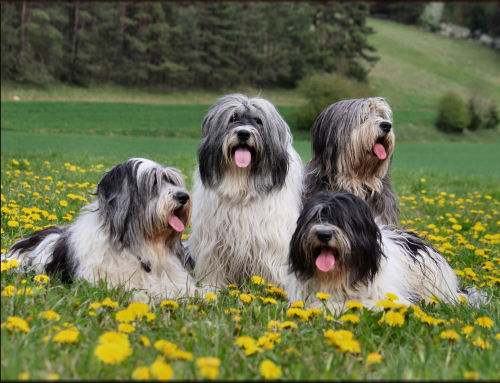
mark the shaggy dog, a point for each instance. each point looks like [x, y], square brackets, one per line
[246, 195]
[337, 248]
[130, 236]
[353, 143]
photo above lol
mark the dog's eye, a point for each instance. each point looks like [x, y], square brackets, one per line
[258, 121]
[234, 118]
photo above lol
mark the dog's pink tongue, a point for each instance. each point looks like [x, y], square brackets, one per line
[326, 260]
[176, 224]
[242, 157]
[379, 151]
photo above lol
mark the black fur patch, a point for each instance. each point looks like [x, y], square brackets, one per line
[29, 243]
[62, 261]
[353, 216]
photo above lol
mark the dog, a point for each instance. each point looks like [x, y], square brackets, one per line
[246, 194]
[353, 143]
[130, 236]
[337, 248]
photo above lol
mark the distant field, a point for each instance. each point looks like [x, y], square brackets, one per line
[415, 68]
[166, 120]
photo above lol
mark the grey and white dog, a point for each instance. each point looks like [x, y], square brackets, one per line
[352, 143]
[130, 236]
[246, 195]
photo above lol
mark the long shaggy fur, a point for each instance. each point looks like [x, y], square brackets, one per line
[343, 140]
[243, 217]
[370, 261]
[124, 237]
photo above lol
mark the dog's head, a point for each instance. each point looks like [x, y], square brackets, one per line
[141, 200]
[336, 239]
[244, 136]
[355, 137]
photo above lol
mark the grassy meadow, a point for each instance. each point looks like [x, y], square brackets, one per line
[57, 142]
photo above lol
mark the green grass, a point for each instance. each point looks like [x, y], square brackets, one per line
[412, 351]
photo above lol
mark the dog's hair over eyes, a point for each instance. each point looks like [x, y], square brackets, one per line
[353, 217]
[270, 165]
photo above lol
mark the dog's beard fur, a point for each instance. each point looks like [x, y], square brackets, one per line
[243, 215]
[125, 237]
[369, 261]
[343, 140]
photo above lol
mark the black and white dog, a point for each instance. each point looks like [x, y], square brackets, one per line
[246, 195]
[337, 248]
[352, 143]
[130, 236]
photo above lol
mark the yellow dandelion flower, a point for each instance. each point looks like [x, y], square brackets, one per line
[210, 297]
[126, 328]
[258, 280]
[289, 324]
[112, 353]
[169, 304]
[172, 351]
[297, 304]
[386, 304]
[449, 334]
[49, 315]
[247, 298]
[373, 358]
[52, 376]
[141, 373]
[392, 297]
[8, 291]
[209, 366]
[16, 324]
[299, 313]
[12, 223]
[41, 278]
[269, 370]
[24, 376]
[274, 325]
[352, 318]
[471, 375]
[161, 370]
[480, 342]
[63, 203]
[271, 301]
[392, 318]
[323, 296]
[232, 286]
[109, 303]
[125, 316]
[276, 291]
[354, 305]
[484, 322]
[313, 312]
[67, 336]
[145, 341]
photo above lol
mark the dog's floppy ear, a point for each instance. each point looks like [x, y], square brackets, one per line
[301, 263]
[364, 235]
[115, 194]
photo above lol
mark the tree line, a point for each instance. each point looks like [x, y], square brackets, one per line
[183, 44]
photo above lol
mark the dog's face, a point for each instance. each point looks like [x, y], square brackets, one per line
[336, 239]
[142, 200]
[355, 137]
[246, 138]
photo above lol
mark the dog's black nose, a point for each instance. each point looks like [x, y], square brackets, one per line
[243, 135]
[324, 235]
[385, 126]
[182, 197]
